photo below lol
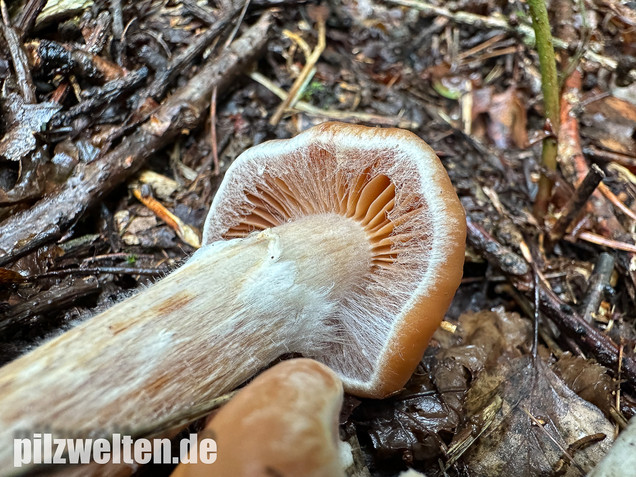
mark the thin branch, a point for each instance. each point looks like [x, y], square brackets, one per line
[575, 204]
[598, 283]
[305, 75]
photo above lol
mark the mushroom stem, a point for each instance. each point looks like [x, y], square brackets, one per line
[229, 311]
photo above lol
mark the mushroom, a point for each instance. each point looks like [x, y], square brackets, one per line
[285, 422]
[344, 244]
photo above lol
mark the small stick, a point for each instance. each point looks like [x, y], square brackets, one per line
[605, 242]
[152, 272]
[202, 13]
[596, 286]
[622, 159]
[48, 234]
[576, 202]
[213, 139]
[509, 262]
[230, 39]
[100, 96]
[26, 19]
[57, 297]
[304, 74]
[117, 29]
[616, 202]
[18, 58]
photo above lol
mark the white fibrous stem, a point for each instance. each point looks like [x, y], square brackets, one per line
[234, 307]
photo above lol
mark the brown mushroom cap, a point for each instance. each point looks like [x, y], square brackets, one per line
[390, 183]
[285, 423]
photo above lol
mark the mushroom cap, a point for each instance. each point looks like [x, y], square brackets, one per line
[285, 422]
[393, 185]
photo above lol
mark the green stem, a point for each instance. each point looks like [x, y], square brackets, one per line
[550, 88]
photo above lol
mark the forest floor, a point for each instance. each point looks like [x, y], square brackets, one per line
[111, 149]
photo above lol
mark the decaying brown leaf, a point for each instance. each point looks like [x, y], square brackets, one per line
[611, 123]
[507, 120]
[587, 379]
[411, 425]
[538, 426]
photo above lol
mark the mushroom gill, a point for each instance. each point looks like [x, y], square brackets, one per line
[365, 197]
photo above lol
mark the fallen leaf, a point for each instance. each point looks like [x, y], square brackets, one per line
[588, 379]
[538, 427]
[508, 121]
[610, 123]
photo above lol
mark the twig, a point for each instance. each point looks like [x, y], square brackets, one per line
[183, 110]
[304, 75]
[101, 96]
[230, 38]
[28, 15]
[536, 315]
[575, 204]
[606, 242]
[213, 140]
[300, 41]
[333, 113]
[117, 28]
[199, 11]
[19, 59]
[591, 340]
[57, 297]
[47, 234]
[622, 159]
[616, 202]
[597, 285]
[152, 272]
[509, 262]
